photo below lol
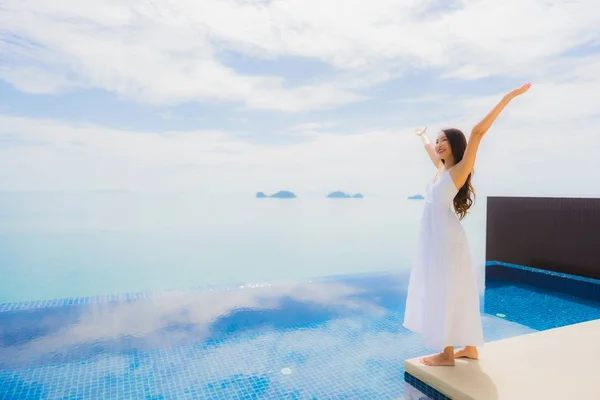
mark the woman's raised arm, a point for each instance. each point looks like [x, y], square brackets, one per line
[429, 147]
[461, 171]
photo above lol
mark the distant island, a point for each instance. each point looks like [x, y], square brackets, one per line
[342, 195]
[282, 194]
[416, 197]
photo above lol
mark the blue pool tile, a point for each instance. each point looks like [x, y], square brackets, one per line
[424, 388]
[321, 339]
[578, 286]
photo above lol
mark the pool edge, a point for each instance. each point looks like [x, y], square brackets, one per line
[559, 282]
[130, 296]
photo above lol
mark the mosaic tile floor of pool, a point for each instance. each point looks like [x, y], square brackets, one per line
[332, 339]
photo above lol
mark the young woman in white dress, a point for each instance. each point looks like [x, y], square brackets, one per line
[443, 297]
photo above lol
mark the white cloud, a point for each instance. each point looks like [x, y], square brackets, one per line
[147, 319]
[358, 354]
[522, 154]
[168, 51]
[67, 156]
[35, 80]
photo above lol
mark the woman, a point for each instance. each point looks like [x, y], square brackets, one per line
[443, 297]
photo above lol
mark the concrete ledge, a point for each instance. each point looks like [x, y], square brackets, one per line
[560, 363]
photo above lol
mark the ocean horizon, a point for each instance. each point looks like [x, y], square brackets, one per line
[57, 245]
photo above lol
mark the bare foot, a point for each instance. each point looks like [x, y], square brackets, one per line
[439, 360]
[468, 352]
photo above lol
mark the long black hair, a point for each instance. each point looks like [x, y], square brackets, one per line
[465, 197]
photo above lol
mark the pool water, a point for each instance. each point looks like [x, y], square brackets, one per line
[335, 338]
[537, 308]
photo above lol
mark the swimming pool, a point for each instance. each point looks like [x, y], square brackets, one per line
[332, 338]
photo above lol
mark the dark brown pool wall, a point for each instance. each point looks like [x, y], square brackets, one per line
[554, 234]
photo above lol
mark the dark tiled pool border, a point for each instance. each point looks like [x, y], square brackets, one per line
[577, 286]
[127, 297]
[429, 391]
[582, 287]
[107, 298]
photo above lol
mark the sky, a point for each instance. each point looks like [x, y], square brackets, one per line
[240, 96]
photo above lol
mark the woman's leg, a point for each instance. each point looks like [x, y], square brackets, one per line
[467, 352]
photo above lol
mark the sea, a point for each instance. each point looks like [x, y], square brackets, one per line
[63, 244]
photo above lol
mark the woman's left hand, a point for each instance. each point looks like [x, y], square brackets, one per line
[519, 91]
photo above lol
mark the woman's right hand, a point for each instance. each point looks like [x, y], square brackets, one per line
[420, 132]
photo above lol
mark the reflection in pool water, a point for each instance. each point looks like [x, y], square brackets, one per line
[337, 338]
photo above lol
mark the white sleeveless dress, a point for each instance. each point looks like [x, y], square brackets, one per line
[443, 297]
